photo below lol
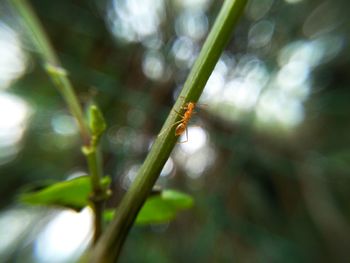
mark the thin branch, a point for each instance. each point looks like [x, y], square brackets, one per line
[109, 246]
[64, 86]
[52, 63]
[98, 195]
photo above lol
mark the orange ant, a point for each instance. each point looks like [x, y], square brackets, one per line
[185, 118]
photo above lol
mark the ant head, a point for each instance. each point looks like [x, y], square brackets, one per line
[191, 105]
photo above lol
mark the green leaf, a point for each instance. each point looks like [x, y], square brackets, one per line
[160, 208]
[178, 199]
[73, 193]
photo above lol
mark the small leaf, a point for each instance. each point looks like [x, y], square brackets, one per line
[97, 123]
[160, 208]
[178, 199]
[72, 193]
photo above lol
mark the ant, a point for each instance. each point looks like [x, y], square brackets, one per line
[185, 118]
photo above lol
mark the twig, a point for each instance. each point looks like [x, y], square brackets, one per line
[64, 86]
[109, 246]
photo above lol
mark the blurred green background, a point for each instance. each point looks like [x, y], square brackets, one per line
[268, 155]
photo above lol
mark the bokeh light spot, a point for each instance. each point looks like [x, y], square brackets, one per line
[168, 168]
[64, 125]
[197, 138]
[260, 34]
[65, 237]
[153, 65]
[13, 61]
[14, 114]
[192, 23]
[184, 51]
[292, 1]
[133, 20]
[257, 9]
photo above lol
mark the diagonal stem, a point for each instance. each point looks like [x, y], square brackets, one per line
[109, 246]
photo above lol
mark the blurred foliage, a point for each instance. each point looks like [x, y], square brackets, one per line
[73, 193]
[266, 189]
[159, 208]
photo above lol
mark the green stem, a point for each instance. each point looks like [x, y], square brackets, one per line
[109, 246]
[98, 192]
[94, 167]
[64, 86]
[52, 63]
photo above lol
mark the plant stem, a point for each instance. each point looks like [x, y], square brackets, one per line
[109, 246]
[52, 63]
[64, 86]
[98, 192]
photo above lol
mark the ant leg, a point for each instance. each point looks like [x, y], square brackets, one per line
[185, 107]
[183, 98]
[178, 113]
[170, 127]
[186, 137]
[186, 104]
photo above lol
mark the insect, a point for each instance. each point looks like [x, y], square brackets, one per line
[185, 118]
[181, 125]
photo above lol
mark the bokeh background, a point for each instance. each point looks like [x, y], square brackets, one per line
[268, 155]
